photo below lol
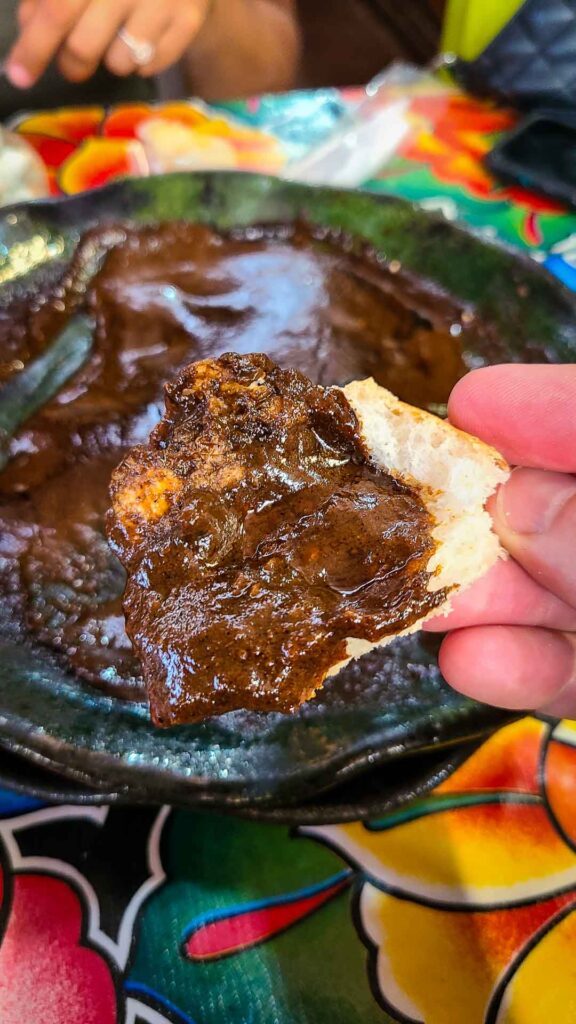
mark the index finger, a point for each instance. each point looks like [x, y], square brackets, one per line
[506, 595]
[40, 38]
[527, 412]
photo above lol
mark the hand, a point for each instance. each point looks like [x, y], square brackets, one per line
[83, 33]
[513, 634]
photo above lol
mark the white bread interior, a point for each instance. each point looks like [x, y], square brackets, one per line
[454, 473]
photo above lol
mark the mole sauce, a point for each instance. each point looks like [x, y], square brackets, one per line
[165, 296]
[257, 537]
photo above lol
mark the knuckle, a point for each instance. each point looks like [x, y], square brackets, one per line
[80, 50]
[73, 71]
[190, 23]
[59, 12]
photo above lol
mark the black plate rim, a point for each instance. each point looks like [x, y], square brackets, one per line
[194, 789]
[338, 809]
[434, 216]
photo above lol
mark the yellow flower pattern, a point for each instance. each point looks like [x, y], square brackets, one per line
[468, 897]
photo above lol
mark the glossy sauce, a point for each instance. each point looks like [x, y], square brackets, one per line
[257, 537]
[165, 296]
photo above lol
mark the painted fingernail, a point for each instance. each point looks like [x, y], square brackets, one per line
[532, 499]
[18, 75]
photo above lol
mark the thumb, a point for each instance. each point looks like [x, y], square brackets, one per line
[535, 517]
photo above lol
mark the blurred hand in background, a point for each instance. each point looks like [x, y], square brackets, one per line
[230, 47]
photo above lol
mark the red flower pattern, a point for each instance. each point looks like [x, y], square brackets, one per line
[86, 147]
[47, 973]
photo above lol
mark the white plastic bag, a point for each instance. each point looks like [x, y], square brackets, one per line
[365, 138]
[22, 173]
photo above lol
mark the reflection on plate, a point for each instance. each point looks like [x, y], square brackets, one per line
[386, 706]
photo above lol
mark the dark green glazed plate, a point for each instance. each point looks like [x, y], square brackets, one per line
[388, 712]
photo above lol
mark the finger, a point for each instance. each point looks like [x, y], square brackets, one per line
[25, 11]
[527, 412]
[506, 595]
[90, 38]
[147, 24]
[40, 39]
[534, 515]
[176, 39]
[516, 667]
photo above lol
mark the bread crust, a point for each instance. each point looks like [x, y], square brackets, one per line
[455, 473]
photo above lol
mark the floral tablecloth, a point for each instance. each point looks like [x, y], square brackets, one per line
[438, 164]
[458, 909]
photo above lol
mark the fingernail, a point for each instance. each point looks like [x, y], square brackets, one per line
[532, 499]
[18, 75]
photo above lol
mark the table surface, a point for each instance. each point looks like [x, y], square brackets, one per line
[461, 907]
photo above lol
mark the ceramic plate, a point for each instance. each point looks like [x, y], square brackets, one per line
[382, 711]
[370, 794]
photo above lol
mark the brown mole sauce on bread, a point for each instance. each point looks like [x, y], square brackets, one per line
[258, 536]
[163, 296]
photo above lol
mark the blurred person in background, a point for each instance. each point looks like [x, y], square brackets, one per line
[80, 51]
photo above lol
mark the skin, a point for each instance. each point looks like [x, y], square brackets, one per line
[231, 47]
[512, 639]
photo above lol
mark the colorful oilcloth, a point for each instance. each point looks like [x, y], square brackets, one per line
[458, 909]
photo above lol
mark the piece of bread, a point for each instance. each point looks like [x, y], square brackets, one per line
[455, 473]
[229, 610]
